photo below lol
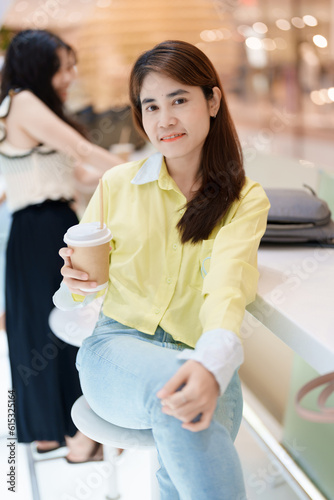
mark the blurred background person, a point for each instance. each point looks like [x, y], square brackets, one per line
[42, 152]
[4, 229]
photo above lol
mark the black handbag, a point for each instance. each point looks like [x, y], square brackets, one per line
[298, 216]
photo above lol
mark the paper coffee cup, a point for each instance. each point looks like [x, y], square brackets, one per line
[91, 248]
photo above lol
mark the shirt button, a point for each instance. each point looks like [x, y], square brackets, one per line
[182, 211]
[157, 311]
[168, 280]
[174, 246]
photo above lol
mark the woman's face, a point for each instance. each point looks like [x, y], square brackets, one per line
[176, 117]
[66, 73]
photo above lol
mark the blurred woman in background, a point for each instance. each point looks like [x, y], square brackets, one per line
[42, 153]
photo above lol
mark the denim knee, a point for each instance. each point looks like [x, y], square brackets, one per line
[229, 407]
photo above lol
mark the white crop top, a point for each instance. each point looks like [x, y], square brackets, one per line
[33, 175]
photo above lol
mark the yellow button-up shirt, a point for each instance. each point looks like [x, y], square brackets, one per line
[154, 279]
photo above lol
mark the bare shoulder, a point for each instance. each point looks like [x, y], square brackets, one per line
[25, 98]
[28, 114]
[26, 106]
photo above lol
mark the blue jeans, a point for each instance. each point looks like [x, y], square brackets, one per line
[121, 370]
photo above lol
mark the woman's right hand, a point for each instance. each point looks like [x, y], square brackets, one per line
[73, 278]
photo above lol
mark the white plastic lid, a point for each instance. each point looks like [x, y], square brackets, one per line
[87, 234]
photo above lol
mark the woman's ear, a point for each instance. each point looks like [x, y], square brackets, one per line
[214, 103]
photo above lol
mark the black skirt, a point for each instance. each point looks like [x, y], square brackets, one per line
[44, 376]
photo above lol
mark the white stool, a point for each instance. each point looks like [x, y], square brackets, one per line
[75, 325]
[112, 436]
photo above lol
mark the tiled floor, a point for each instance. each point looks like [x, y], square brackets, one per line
[54, 479]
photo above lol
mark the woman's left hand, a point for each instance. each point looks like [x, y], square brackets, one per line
[198, 396]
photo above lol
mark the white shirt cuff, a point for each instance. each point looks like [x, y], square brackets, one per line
[220, 351]
[64, 301]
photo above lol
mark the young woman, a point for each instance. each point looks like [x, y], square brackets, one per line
[41, 154]
[187, 224]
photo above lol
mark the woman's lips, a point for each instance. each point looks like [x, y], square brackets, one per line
[63, 94]
[171, 137]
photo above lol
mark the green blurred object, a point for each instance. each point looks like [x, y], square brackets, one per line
[310, 444]
[5, 38]
[326, 189]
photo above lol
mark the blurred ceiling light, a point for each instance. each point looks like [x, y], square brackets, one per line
[331, 93]
[283, 24]
[253, 43]
[298, 22]
[245, 30]
[226, 33]
[208, 36]
[320, 41]
[214, 35]
[280, 43]
[316, 98]
[268, 44]
[324, 96]
[260, 28]
[211, 35]
[219, 35]
[310, 20]
[257, 58]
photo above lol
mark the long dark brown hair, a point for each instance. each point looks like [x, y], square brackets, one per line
[221, 168]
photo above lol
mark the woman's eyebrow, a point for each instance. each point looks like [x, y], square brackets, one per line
[172, 94]
[177, 92]
[147, 100]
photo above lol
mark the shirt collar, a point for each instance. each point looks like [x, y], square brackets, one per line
[154, 169]
[149, 171]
